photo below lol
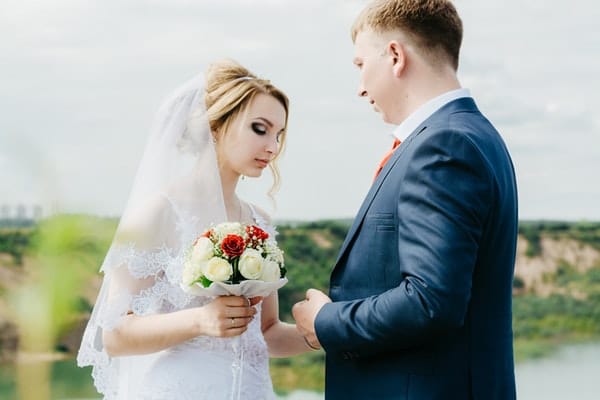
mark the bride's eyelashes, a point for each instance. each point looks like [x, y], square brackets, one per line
[258, 128]
[261, 129]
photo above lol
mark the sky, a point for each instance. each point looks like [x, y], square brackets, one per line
[80, 82]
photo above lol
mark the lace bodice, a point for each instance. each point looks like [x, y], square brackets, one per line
[165, 372]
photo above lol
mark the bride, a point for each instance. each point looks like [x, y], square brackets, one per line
[147, 338]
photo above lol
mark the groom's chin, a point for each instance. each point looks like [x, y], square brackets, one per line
[387, 119]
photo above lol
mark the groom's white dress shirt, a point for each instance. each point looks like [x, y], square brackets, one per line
[426, 110]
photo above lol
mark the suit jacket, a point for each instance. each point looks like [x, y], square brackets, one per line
[422, 288]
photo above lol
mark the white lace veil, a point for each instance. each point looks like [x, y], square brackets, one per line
[177, 180]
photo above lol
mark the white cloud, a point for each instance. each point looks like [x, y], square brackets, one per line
[81, 81]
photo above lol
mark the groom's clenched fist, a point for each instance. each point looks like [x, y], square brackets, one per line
[305, 312]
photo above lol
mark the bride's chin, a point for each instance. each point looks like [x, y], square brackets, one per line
[252, 174]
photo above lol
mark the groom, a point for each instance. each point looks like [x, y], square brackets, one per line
[420, 302]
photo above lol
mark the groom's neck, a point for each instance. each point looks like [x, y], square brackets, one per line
[425, 84]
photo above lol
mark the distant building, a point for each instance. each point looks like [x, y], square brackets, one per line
[20, 215]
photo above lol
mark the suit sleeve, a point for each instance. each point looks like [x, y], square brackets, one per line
[445, 198]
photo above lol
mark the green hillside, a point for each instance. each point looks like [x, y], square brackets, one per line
[556, 289]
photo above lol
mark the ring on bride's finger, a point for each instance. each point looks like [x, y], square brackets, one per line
[249, 303]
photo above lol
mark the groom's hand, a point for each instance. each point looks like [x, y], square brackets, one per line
[305, 312]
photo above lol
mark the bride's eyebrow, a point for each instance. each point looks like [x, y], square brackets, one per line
[266, 121]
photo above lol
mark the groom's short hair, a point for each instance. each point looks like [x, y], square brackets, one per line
[433, 26]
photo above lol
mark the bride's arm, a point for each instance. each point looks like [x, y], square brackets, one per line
[149, 228]
[147, 334]
[283, 339]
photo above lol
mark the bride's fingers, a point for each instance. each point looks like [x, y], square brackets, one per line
[234, 301]
[243, 311]
[238, 312]
[254, 300]
[227, 327]
[237, 323]
[235, 331]
[233, 308]
[241, 301]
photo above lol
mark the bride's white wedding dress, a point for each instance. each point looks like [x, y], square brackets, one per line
[204, 368]
[176, 195]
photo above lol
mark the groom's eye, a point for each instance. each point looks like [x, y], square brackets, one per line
[258, 128]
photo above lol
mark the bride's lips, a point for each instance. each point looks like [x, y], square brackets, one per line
[262, 162]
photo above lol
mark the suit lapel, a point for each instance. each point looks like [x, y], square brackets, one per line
[375, 188]
[460, 104]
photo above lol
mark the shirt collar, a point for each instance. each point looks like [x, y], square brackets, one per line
[426, 110]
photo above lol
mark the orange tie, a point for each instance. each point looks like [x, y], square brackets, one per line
[386, 157]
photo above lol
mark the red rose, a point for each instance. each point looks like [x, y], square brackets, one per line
[233, 245]
[256, 234]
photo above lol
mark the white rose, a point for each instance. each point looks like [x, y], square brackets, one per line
[274, 253]
[217, 270]
[202, 250]
[191, 272]
[271, 272]
[251, 264]
[228, 228]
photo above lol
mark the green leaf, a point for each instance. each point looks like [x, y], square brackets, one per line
[205, 281]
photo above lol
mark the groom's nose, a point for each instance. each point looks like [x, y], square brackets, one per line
[362, 92]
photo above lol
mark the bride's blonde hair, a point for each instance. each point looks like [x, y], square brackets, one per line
[230, 88]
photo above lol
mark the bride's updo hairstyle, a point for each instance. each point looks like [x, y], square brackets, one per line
[230, 88]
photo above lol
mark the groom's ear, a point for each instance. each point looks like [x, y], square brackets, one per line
[397, 53]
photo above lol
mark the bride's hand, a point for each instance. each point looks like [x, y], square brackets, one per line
[226, 316]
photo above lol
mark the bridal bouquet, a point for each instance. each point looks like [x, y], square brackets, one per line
[233, 258]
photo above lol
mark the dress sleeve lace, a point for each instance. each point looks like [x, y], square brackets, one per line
[142, 272]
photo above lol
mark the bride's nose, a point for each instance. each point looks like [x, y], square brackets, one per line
[272, 146]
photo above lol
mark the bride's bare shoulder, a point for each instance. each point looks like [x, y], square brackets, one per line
[262, 215]
[147, 220]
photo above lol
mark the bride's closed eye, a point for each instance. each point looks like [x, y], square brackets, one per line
[258, 128]
[261, 129]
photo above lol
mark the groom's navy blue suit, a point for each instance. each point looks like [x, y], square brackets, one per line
[422, 286]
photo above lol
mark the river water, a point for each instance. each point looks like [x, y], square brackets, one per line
[573, 372]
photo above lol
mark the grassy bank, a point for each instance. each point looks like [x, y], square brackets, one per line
[567, 312]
